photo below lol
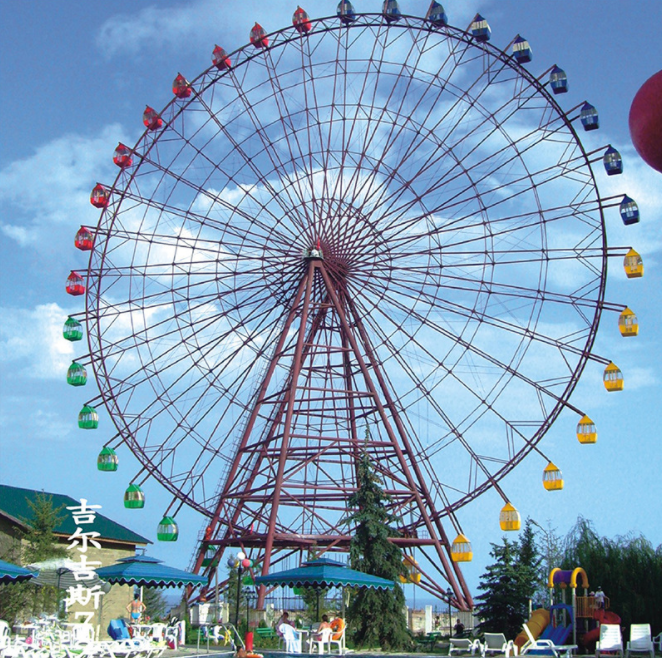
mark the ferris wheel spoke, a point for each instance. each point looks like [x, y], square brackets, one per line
[206, 221]
[278, 166]
[494, 119]
[212, 198]
[400, 120]
[226, 396]
[287, 209]
[446, 308]
[371, 115]
[460, 102]
[449, 427]
[506, 369]
[289, 129]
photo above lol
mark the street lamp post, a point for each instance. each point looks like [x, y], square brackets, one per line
[449, 593]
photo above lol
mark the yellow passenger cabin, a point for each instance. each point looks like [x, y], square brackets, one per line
[633, 265]
[613, 378]
[586, 431]
[461, 549]
[628, 324]
[509, 518]
[552, 478]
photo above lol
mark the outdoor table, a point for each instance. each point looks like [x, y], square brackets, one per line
[432, 638]
[566, 649]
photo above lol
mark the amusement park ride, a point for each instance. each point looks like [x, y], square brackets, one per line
[367, 233]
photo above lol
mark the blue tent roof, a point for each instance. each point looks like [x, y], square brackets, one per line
[324, 573]
[146, 571]
[12, 573]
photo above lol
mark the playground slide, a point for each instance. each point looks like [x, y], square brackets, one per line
[558, 635]
[604, 617]
[537, 622]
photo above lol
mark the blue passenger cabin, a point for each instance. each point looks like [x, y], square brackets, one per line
[480, 29]
[391, 11]
[612, 161]
[522, 50]
[436, 15]
[589, 117]
[346, 12]
[558, 80]
[629, 211]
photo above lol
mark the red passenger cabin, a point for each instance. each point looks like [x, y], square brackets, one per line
[181, 87]
[220, 59]
[259, 36]
[84, 239]
[122, 157]
[151, 119]
[301, 21]
[100, 196]
[75, 285]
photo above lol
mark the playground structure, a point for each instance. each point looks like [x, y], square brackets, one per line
[563, 618]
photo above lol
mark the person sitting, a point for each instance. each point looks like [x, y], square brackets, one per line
[458, 628]
[323, 624]
[284, 619]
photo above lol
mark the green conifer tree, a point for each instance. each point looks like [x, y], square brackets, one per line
[377, 616]
[502, 606]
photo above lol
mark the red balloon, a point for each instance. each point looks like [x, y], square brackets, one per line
[246, 563]
[646, 121]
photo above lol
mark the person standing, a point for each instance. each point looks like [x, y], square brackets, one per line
[136, 609]
[600, 598]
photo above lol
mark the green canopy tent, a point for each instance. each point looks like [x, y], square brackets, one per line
[324, 573]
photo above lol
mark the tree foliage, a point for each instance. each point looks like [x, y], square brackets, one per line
[155, 603]
[509, 583]
[378, 616]
[38, 543]
[628, 569]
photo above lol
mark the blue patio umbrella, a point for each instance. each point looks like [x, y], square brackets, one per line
[145, 571]
[12, 573]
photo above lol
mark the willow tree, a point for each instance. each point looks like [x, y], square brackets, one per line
[377, 616]
[628, 569]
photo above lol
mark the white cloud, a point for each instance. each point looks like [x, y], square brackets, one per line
[52, 187]
[207, 21]
[34, 341]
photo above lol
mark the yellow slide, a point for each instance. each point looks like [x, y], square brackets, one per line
[537, 624]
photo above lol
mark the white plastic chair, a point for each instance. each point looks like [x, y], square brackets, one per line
[640, 640]
[610, 641]
[5, 635]
[338, 638]
[464, 645]
[292, 638]
[497, 643]
[657, 641]
[320, 639]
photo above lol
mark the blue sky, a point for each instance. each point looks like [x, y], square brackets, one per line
[76, 78]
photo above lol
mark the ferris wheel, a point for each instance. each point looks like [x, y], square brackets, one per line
[362, 234]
